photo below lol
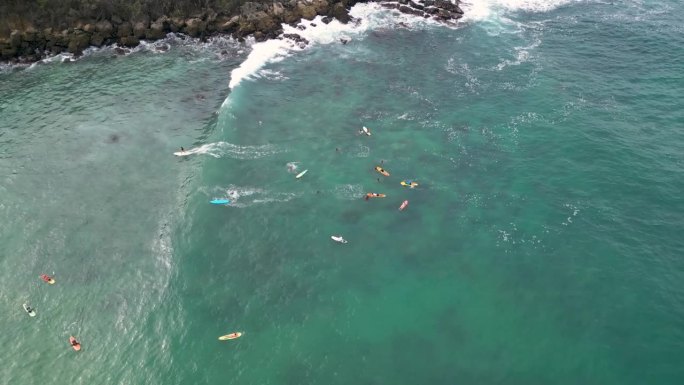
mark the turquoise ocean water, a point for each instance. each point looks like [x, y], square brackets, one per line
[542, 245]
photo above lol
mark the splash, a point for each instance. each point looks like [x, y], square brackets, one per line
[292, 167]
[262, 53]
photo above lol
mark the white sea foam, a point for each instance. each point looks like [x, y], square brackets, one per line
[230, 150]
[349, 191]
[367, 16]
[522, 56]
[478, 10]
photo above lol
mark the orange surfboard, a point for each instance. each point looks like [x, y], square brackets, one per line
[74, 344]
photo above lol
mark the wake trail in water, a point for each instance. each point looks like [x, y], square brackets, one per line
[234, 151]
[246, 196]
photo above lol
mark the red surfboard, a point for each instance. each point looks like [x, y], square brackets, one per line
[47, 279]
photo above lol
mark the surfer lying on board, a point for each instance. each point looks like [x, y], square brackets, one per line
[374, 195]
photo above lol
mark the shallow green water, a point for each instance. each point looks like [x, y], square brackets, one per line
[541, 246]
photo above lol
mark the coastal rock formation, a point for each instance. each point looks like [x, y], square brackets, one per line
[440, 10]
[263, 20]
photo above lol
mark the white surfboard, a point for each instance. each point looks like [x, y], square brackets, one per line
[366, 131]
[338, 238]
[30, 312]
[301, 174]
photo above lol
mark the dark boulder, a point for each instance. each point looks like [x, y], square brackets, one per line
[15, 39]
[416, 5]
[229, 25]
[156, 31]
[194, 27]
[176, 24]
[124, 29]
[78, 41]
[340, 12]
[296, 38]
[306, 10]
[390, 5]
[105, 28]
[96, 39]
[30, 35]
[129, 41]
[139, 29]
[410, 11]
[447, 5]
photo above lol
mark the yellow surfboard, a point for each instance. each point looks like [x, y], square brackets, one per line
[230, 336]
[382, 171]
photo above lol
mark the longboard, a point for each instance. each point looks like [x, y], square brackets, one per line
[219, 201]
[30, 312]
[230, 336]
[370, 195]
[301, 174]
[338, 239]
[382, 171]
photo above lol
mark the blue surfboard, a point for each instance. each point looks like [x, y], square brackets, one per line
[219, 202]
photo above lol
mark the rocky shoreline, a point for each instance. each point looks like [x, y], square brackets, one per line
[260, 20]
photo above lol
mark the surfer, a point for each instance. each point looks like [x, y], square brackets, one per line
[74, 343]
[182, 149]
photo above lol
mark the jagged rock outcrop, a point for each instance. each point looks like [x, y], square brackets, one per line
[262, 20]
[440, 10]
